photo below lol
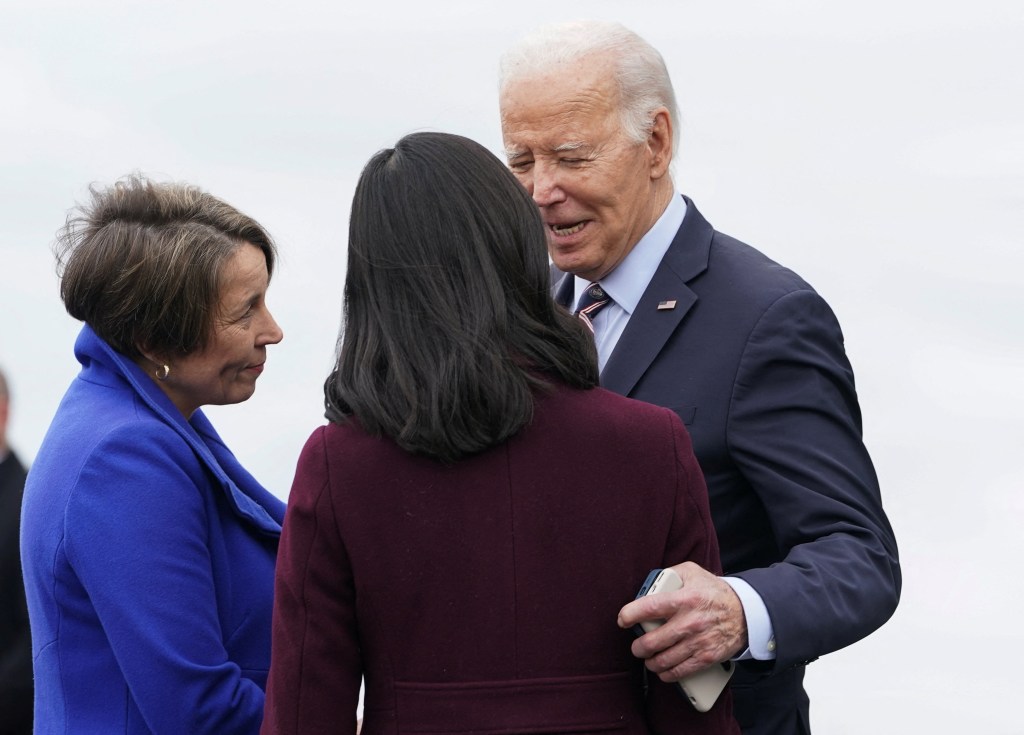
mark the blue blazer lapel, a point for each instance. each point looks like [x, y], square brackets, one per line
[650, 327]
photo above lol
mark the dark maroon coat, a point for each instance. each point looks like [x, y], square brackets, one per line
[482, 597]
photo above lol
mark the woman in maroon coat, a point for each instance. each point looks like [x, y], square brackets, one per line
[464, 531]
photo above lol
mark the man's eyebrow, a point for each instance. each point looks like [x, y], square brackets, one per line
[511, 153]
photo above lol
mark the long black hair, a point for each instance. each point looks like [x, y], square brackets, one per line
[449, 325]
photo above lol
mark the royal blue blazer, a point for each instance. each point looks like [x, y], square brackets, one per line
[148, 555]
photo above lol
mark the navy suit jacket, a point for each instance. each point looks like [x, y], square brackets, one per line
[752, 360]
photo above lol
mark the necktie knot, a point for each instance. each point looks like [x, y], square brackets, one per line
[592, 301]
[595, 292]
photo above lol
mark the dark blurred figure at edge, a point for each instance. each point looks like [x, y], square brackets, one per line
[15, 642]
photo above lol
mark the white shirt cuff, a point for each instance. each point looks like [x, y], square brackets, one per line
[760, 633]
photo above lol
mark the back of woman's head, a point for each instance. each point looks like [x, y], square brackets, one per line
[449, 325]
[141, 263]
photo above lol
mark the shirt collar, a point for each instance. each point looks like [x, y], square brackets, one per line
[628, 281]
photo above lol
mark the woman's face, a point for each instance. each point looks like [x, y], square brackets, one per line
[226, 370]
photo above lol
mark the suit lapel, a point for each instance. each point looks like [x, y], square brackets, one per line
[562, 287]
[650, 327]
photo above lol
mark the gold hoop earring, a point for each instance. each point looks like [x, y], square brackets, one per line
[162, 372]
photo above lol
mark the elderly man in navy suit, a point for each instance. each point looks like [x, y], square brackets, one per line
[747, 353]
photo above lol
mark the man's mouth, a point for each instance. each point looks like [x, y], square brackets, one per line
[564, 230]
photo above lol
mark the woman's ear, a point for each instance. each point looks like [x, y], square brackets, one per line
[151, 363]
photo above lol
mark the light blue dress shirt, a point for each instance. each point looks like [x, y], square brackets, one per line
[625, 285]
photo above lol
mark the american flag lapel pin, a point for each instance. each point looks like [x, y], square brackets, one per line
[666, 305]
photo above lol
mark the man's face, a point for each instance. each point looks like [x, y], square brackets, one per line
[594, 186]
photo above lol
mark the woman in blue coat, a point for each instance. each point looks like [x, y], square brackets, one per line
[148, 550]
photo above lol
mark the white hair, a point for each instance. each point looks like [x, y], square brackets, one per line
[642, 77]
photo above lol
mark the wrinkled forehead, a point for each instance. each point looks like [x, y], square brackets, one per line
[567, 108]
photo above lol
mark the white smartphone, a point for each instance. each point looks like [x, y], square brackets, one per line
[703, 687]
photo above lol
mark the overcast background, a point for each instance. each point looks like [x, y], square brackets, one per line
[876, 148]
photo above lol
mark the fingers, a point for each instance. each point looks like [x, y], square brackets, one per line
[686, 656]
[659, 607]
[703, 623]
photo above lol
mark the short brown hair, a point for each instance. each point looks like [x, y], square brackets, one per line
[141, 263]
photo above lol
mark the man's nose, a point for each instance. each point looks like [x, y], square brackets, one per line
[547, 189]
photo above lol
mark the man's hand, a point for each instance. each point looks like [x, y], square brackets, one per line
[704, 624]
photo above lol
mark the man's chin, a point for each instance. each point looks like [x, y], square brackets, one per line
[574, 266]
[567, 262]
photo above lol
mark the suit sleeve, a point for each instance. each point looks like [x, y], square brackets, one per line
[136, 533]
[316, 667]
[692, 537]
[794, 431]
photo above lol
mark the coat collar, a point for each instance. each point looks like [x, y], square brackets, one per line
[250, 500]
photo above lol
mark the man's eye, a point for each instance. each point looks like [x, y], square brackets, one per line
[520, 166]
[573, 161]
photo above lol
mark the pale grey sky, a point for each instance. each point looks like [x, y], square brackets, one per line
[877, 149]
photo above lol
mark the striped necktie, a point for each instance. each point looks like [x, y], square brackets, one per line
[593, 300]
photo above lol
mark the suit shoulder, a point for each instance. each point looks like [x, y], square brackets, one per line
[745, 270]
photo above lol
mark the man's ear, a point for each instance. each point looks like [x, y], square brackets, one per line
[659, 142]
